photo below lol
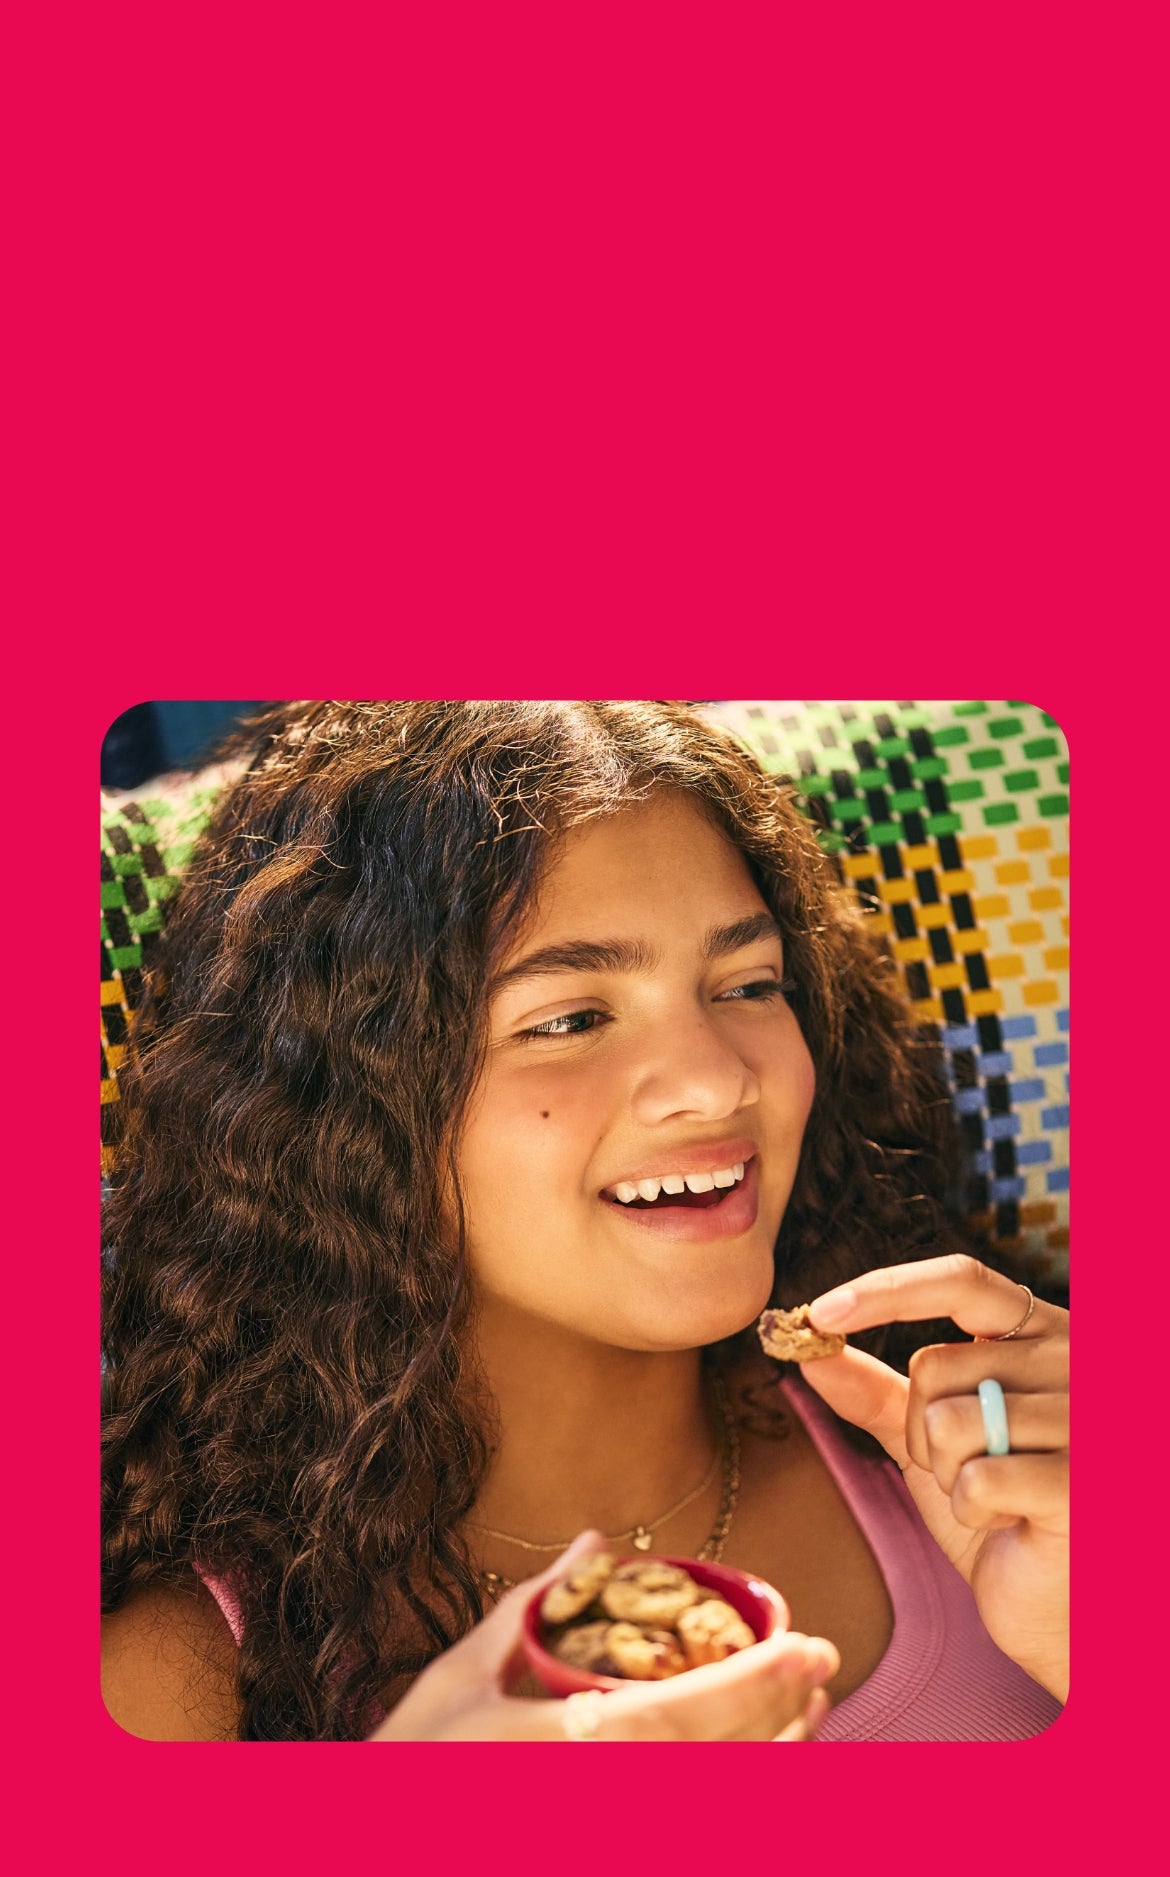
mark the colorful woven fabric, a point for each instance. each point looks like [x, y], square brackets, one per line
[950, 822]
[145, 846]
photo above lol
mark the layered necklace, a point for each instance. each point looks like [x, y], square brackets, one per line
[726, 1461]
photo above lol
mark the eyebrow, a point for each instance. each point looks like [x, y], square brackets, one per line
[632, 954]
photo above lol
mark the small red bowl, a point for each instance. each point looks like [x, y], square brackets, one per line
[762, 1608]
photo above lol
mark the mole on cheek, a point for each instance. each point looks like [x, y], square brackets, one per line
[544, 1114]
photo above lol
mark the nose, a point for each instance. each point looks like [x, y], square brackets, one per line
[691, 1069]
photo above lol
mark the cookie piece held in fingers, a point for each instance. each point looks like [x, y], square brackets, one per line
[574, 1592]
[651, 1593]
[642, 1654]
[790, 1336]
[711, 1631]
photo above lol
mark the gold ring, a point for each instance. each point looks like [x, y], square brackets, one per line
[1008, 1334]
[580, 1714]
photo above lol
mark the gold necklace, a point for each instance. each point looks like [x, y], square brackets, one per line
[642, 1536]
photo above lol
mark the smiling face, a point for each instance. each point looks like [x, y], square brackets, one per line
[639, 1033]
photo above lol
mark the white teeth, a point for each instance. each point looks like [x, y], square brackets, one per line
[626, 1191]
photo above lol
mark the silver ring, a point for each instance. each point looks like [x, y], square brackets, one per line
[580, 1714]
[1008, 1334]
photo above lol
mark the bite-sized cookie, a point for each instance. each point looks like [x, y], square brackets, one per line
[648, 1592]
[644, 1654]
[584, 1646]
[711, 1631]
[575, 1591]
[789, 1336]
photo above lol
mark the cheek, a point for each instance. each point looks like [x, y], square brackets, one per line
[790, 1075]
[528, 1137]
[805, 1082]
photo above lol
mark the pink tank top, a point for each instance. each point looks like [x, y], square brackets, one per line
[942, 1677]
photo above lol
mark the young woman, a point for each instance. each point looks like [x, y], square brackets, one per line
[506, 1059]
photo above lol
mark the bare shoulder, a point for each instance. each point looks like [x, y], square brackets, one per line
[169, 1665]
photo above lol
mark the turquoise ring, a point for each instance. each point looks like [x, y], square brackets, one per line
[994, 1409]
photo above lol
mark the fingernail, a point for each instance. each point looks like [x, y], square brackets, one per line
[834, 1306]
[582, 1543]
[820, 1662]
[816, 1708]
[804, 1659]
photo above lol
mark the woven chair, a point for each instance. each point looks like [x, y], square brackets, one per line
[949, 821]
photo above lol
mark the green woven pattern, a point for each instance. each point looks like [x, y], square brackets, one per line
[144, 848]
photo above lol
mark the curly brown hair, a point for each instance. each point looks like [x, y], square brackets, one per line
[289, 1337]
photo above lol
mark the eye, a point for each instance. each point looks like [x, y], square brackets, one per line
[761, 991]
[573, 1023]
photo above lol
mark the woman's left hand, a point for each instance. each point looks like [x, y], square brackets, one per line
[1002, 1521]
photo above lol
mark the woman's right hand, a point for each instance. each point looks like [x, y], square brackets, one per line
[772, 1691]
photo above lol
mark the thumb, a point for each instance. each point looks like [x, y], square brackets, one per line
[495, 1642]
[863, 1390]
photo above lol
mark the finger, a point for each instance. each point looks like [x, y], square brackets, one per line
[946, 1433]
[1038, 1367]
[805, 1726]
[981, 1301]
[624, 1716]
[755, 1695]
[776, 1696]
[752, 1696]
[866, 1392]
[504, 1718]
[994, 1491]
[945, 1371]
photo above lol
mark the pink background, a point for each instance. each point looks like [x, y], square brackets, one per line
[716, 353]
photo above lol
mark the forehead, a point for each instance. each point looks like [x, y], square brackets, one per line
[661, 858]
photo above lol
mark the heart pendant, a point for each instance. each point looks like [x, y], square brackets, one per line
[642, 1539]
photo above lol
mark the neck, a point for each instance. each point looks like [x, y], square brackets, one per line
[588, 1435]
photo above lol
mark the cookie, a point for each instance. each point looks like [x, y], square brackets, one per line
[574, 1593]
[789, 1336]
[584, 1646]
[643, 1654]
[711, 1631]
[648, 1592]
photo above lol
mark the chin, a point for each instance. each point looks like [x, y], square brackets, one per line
[721, 1311]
